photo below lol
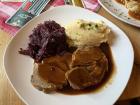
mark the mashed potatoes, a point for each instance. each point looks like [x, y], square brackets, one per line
[87, 33]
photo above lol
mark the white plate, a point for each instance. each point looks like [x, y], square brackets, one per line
[19, 67]
[119, 11]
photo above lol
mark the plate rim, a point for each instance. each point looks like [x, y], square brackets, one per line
[117, 17]
[66, 6]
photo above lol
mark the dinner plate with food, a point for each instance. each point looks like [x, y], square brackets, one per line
[69, 58]
[125, 10]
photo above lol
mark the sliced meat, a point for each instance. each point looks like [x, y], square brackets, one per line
[87, 68]
[50, 75]
[79, 78]
[41, 84]
[59, 61]
[97, 71]
[86, 56]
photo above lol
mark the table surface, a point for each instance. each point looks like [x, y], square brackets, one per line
[9, 97]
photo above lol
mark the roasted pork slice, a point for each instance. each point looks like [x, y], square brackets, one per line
[50, 75]
[40, 83]
[86, 56]
[88, 67]
[79, 78]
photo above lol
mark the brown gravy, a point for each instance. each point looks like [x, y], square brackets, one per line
[55, 66]
[134, 15]
[106, 49]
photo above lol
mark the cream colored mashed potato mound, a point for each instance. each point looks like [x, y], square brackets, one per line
[87, 33]
[133, 5]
